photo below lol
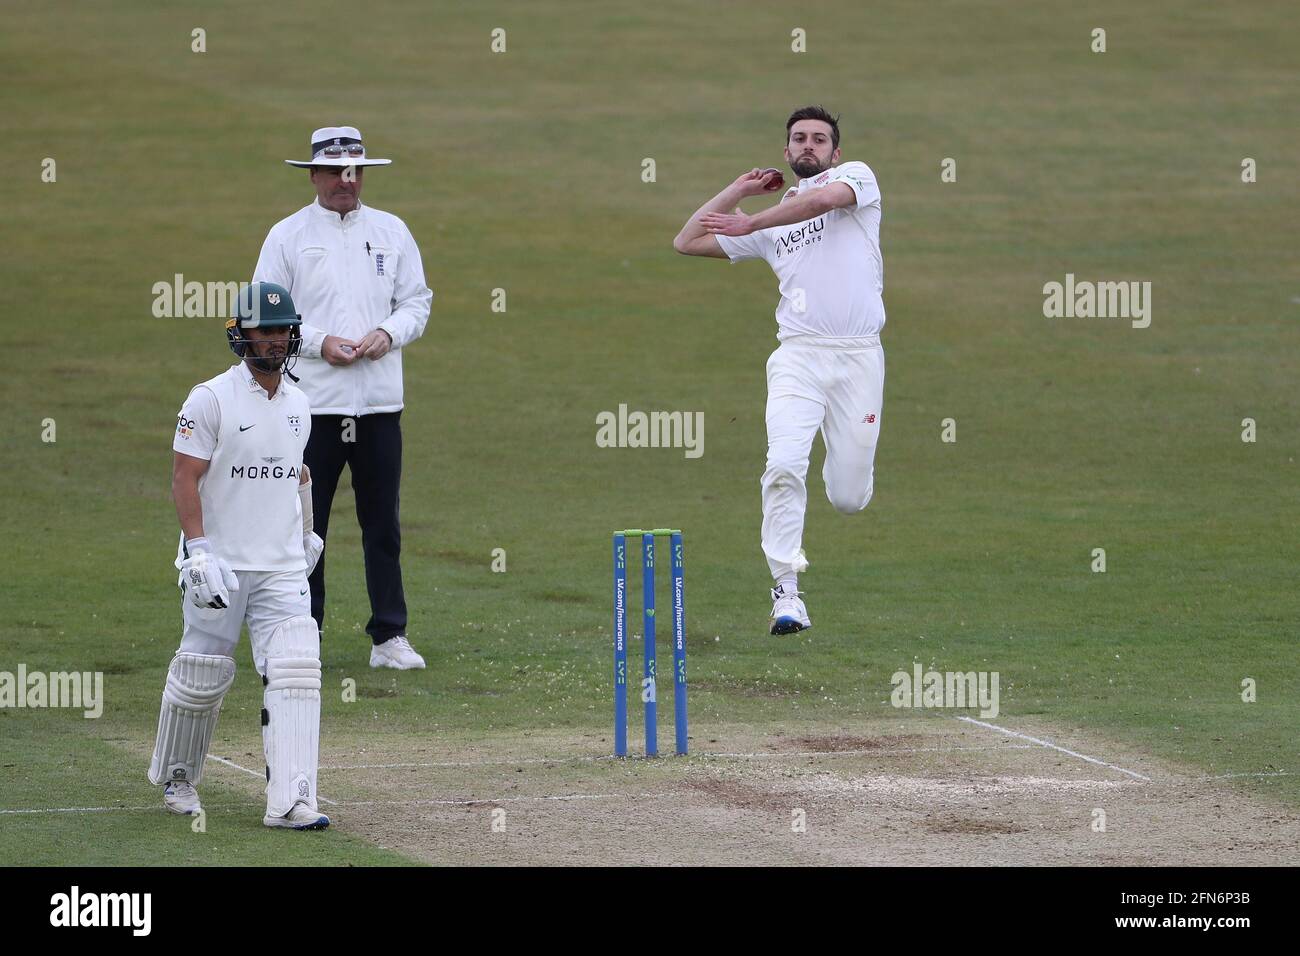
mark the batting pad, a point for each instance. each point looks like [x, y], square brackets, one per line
[291, 717]
[191, 702]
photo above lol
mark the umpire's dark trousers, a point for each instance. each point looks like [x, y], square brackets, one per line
[374, 454]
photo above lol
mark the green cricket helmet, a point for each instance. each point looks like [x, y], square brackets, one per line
[265, 305]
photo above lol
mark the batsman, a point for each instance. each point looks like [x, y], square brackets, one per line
[243, 497]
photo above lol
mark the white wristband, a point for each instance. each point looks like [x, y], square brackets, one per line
[195, 546]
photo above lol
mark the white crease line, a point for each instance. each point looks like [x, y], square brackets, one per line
[152, 806]
[865, 752]
[495, 802]
[703, 755]
[397, 803]
[231, 763]
[259, 776]
[1052, 746]
[222, 760]
[462, 763]
[574, 797]
[1271, 773]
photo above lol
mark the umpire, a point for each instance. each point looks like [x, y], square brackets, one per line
[356, 276]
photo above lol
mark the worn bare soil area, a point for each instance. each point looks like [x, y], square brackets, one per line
[920, 791]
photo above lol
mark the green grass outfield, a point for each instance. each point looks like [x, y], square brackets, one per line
[522, 171]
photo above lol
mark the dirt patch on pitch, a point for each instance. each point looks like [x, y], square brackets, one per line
[737, 794]
[844, 743]
[966, 825]
[930, 792]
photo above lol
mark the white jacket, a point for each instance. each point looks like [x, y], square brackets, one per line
[348, 276]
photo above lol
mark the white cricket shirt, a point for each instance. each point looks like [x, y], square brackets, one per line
[253, 445]
[348, 276]
[829, 269]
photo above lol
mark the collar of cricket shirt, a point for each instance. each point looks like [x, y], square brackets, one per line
[347, 219]
[812, 182]
[254, 385]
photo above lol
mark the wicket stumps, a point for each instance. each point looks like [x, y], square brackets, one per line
[649, 684]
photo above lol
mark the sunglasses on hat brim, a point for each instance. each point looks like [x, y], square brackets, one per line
[351, 149]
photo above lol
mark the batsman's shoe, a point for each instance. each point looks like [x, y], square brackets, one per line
[788, 613]
[179, 796]
[397, 653]
[301, 817]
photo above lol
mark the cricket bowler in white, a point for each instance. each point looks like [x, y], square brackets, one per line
[828, 372]
[243, 498]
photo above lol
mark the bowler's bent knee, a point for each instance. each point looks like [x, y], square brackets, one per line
[851, 500]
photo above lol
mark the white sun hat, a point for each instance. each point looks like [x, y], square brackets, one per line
[337, 146]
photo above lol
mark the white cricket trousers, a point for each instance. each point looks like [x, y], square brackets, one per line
[264, 601]
[835, 385]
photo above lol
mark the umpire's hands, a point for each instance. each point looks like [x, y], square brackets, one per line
[339, 351]
[375, 345]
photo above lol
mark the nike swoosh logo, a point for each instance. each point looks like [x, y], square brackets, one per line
[244, 428]
[302, 592]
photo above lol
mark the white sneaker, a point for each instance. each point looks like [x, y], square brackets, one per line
[397, 653]
[788, 613]
[179, 796]
[301, 817]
